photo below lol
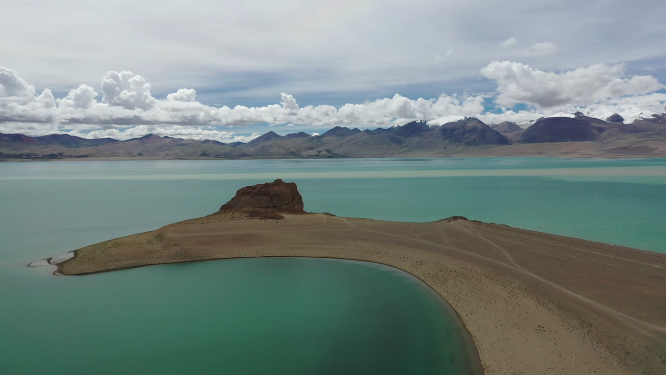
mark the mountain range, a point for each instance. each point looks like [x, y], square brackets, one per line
[579, 136]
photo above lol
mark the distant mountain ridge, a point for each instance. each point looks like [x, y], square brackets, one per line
[64, 140]
[554, 136]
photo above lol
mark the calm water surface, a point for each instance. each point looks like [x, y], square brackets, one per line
[241, 316]
[249, 316]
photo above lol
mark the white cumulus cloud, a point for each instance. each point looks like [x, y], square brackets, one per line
[12, 85]
[81, 97]
[519, 83]
[127, 109]
[127, 101]
[288, 102]
[126, 90]
[183, 95]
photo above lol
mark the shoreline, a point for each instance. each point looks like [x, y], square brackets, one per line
[454, 156]
[466, 269]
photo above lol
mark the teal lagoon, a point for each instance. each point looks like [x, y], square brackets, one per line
[247, 316]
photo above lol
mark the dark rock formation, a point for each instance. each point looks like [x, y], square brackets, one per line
[453, 218]
[561, 129]
[266, 201]
[615, 118]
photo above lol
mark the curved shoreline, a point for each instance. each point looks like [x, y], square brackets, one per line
[471, 349]
[499, 304]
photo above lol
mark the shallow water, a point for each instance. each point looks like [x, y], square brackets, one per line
[249, 315]
[53, 207]
[239, 316]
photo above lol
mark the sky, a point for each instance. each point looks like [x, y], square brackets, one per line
[230, 71]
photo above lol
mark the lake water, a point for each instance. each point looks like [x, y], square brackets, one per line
[240, 316]
[247, 316]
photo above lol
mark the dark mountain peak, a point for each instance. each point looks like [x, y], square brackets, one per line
[17, 138]
[64, 140]
[471, 131]
[615, 118]
[298, 135]
[412, 128]
[206, 141]
[72, 141]
[340, 131]
[62, 137]
[266, 137]
[147, 136]
[561, 129]
[266, 201]
[507, 127]
[467, 122]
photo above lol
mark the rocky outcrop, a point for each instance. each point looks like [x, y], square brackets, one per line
[266, 201]
[452, 218]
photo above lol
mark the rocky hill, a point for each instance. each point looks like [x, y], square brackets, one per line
[266, 201]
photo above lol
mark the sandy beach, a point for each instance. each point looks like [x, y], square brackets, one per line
[533, 303]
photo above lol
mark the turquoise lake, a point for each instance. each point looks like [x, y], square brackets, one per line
[277, 316]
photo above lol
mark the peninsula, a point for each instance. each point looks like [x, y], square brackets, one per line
[533, 303]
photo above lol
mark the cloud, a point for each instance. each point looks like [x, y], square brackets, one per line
[341, 51]
[127, 101]
[12, 85]
[541, 49]
[127, 108]
[508, 43]
[82, 97]
[184, 132]
[289, 103]
[631, 108]
[183, 95]
[126, 90]
[519, 83]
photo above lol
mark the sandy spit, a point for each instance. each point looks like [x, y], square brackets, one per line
[533, 303]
